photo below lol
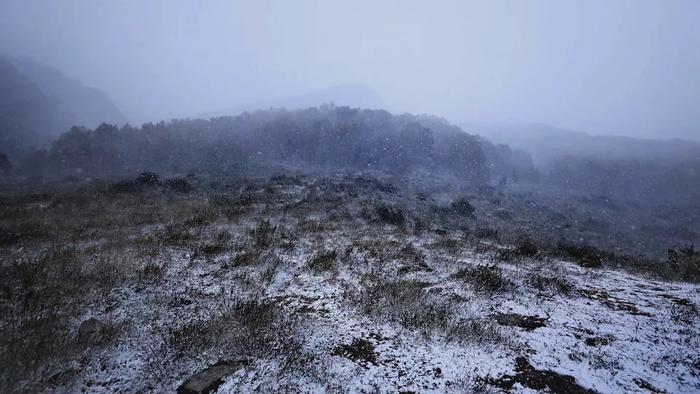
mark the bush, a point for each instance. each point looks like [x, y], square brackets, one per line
[462, 207]
[550, 282]
[5, 165]
[148, 178]
[390, 215]
[407, 303]
[404, 302]
[527, 248]
[410, 254]
[263, 234]
[179, 185]
[487, 278]
[324, 261]
[485, 233]
[126, 187]
[685, 263]
[373, 184]
[135, 185]
[586, 255]
[254, 328]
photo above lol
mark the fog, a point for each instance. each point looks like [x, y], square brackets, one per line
[623, 67]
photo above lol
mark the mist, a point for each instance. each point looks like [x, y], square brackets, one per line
[349, 197]
[624, 67]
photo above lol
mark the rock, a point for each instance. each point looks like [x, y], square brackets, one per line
[92, 331]
[529, 323]
[208, 380]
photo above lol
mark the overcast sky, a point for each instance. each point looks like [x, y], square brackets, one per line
[627, 67]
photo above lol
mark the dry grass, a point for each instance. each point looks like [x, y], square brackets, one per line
[485, 278]
[408, 303]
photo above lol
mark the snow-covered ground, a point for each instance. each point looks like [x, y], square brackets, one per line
[614, 332]
[391, 310]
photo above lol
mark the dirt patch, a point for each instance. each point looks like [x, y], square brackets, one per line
[612, 302]
[677, 300]
[360, 351]
[643, 384]
[597, 341]
[537, 379]
[529, 323]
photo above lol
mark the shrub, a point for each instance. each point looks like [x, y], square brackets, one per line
[462, 207]
[324, 261]
[126, 187]
[586, 255]
[252, 328]
[550, 282]
[390, 215]
[487, 278]
[407, 303]
[403, 302]
[373, 184]
[23, 231]
[409, 253]
[263, 234]
[148, 178]
[245, 259]
[527, 248]
[175, 233]
[5, 165]
[485, 233]
[360, 350]
[685, 263]
[152, 272]
[179, 185]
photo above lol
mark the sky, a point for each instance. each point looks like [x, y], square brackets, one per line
[627, 67]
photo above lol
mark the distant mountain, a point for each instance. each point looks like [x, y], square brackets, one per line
[25, 112]
[38, 103]
[352, 95]
[547, 143]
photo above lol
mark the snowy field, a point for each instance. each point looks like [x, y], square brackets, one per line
[323, 286]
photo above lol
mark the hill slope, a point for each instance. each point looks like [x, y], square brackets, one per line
[317, 284]
[547, 143]
[39, 103]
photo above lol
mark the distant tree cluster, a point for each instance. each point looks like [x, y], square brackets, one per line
[508, 165]
[323, 137]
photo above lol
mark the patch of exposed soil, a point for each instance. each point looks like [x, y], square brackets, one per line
[678, 300]
[597, 341]
[643, 384]
[529, 323]
[537, 379]
[612, 302]
[360, 351]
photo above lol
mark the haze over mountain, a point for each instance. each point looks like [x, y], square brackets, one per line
[293, 206]
[546, 143]
[39, 103]
[622, 67]
[352, 95]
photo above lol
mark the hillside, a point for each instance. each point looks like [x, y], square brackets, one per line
[39, 103]
[547, 143]
[323, 284]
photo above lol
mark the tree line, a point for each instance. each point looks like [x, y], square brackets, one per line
[325, 137]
